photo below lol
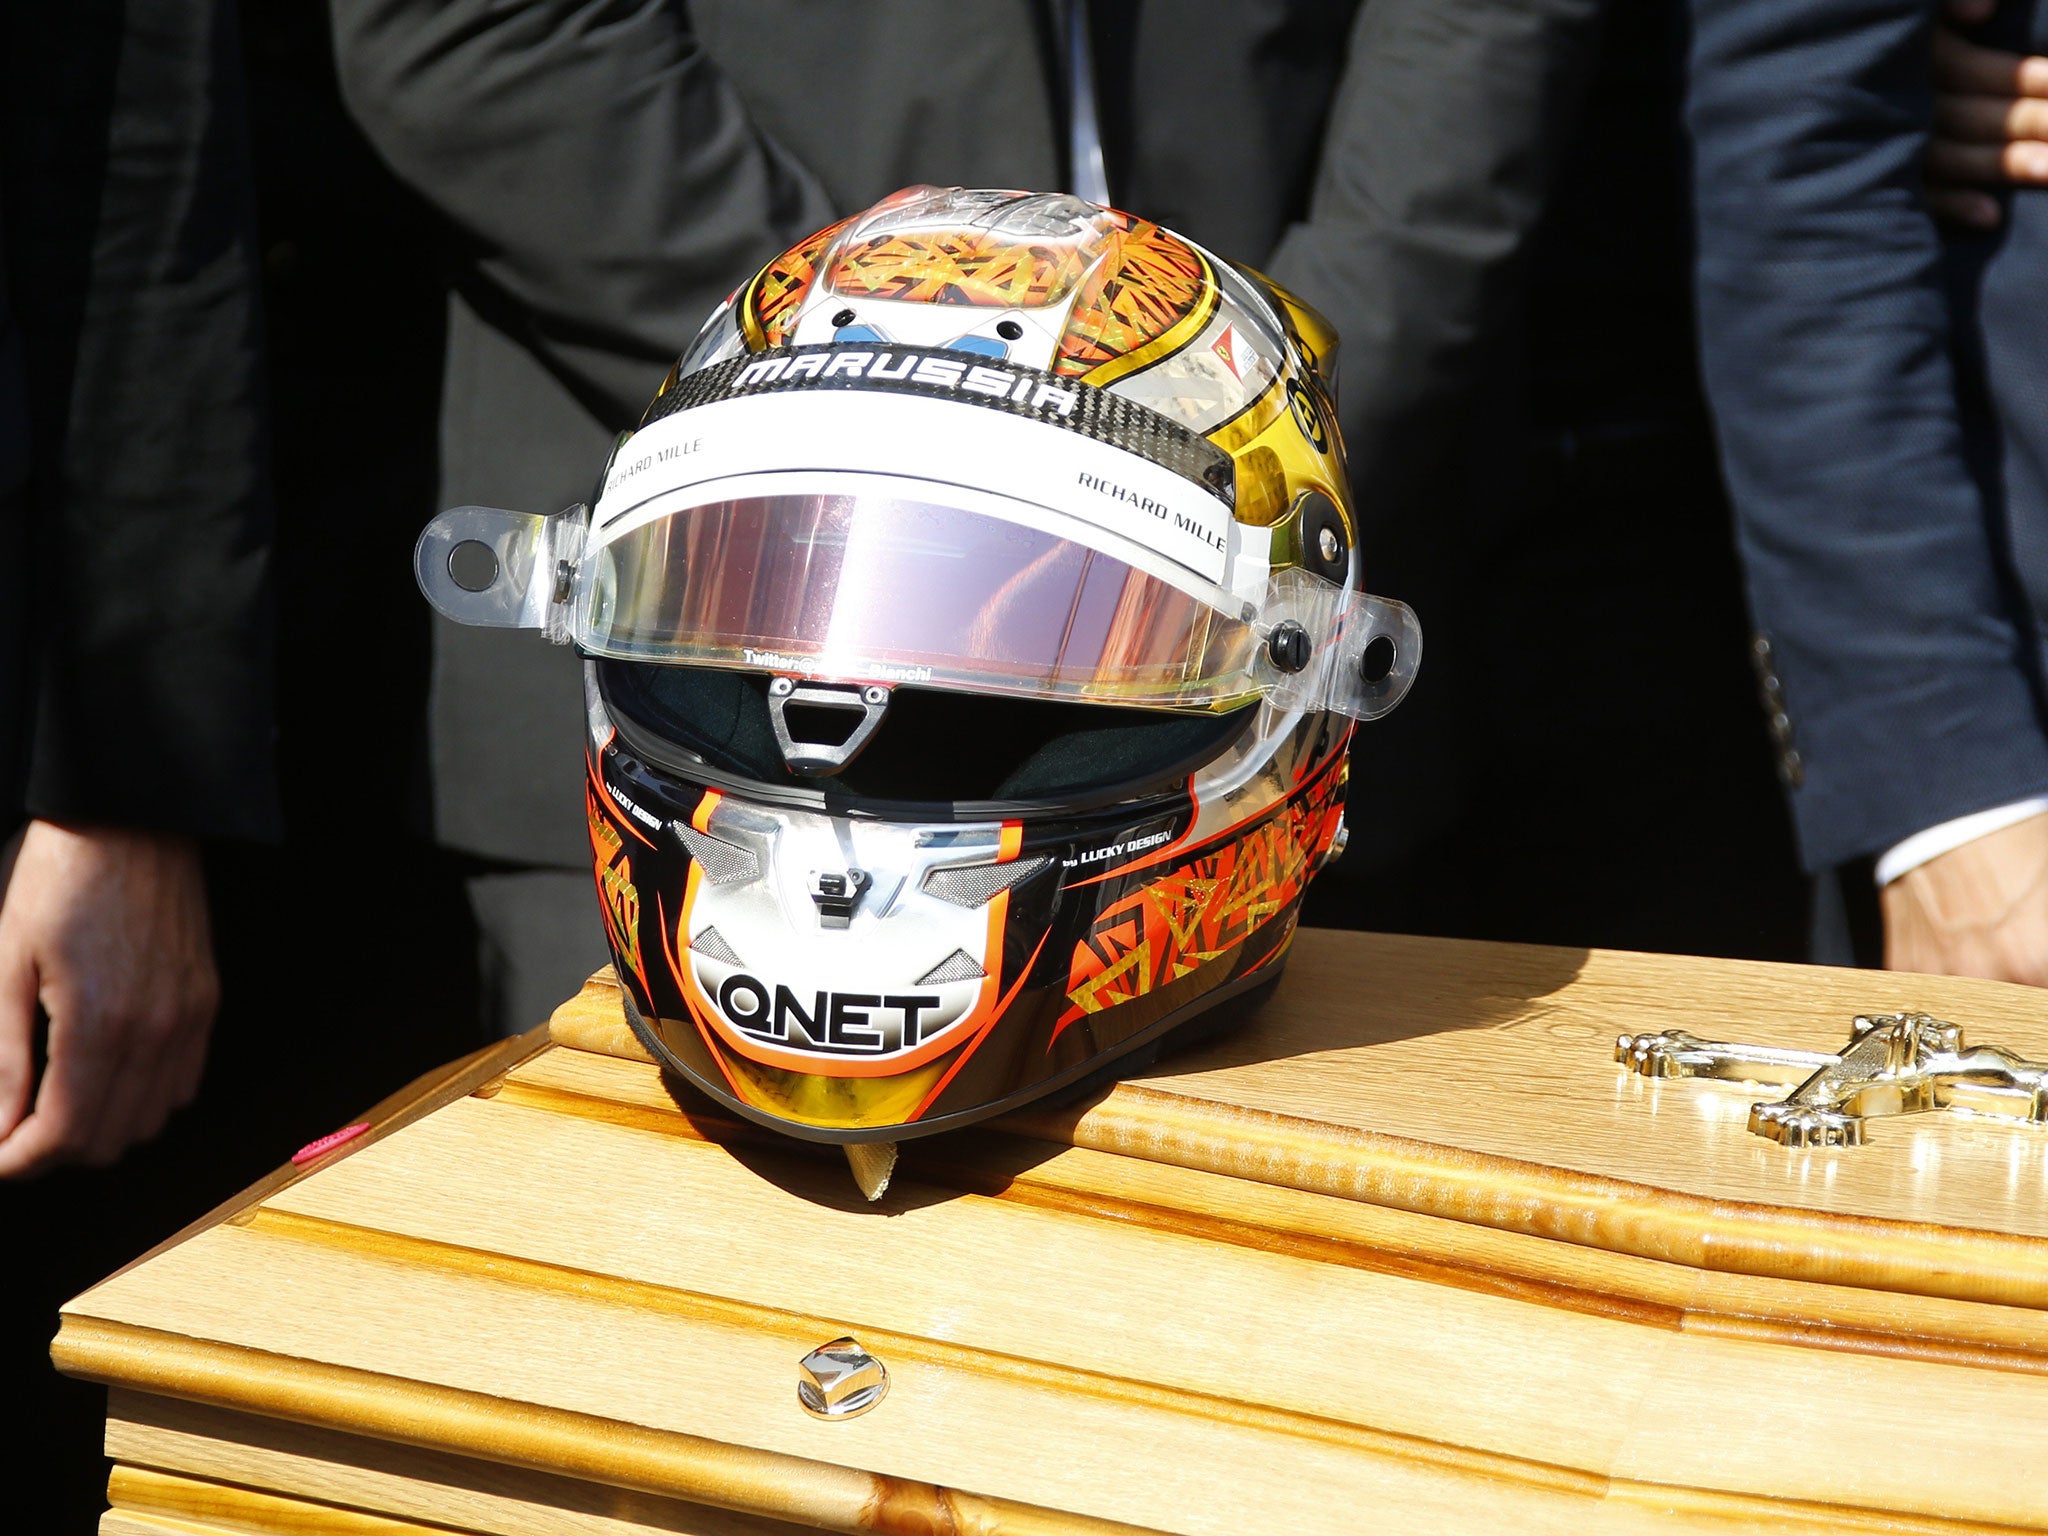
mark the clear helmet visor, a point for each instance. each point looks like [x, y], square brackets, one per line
[1051, 541]
[890, 588]
[896, 589]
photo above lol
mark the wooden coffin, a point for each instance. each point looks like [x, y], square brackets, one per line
[1409, 1252]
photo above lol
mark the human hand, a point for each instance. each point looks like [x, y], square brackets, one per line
[107, 929]
[1990, 121]
[1977, 910]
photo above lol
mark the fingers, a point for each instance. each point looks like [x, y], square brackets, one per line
[77, 1082]
[1978, 910]
[134, 1104]
[1991, 119]
[1963, 68]
[186, 1065]
[108, 930]
[110, 1083]
[21, 1149]
[17, 1034]
[160, 1078]
[1990, 123]
[166, 1019]
[1971, 210]
[1980, 164]
[199, 1001]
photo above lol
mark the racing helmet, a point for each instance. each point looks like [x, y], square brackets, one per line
[973, 634]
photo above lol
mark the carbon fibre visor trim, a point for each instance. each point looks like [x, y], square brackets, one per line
[991, 383]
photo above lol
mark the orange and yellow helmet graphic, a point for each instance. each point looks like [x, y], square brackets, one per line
[1006, 948]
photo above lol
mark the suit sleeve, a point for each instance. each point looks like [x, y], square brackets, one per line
[131, 272]
[1449, 124]
[1450, 121]
[602, 176]
[1870, 552]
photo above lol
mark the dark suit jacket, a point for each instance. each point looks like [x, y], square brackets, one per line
[135, 681]
[607, 184]
[1882, 404]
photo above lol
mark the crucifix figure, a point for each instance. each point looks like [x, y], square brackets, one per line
[1894, 1064]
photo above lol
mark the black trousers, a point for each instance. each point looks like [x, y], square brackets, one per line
[1609, 776]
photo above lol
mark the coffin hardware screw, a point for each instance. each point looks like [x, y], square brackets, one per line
[1327, 545]
[1288, 646]
[840, 1380]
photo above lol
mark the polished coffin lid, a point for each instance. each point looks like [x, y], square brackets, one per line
[1408, 1245]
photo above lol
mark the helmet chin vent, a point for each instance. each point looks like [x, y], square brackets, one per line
[958, 966]
[821, 727]
[972, 885]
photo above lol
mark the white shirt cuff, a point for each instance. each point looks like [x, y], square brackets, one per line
[1935, 841]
